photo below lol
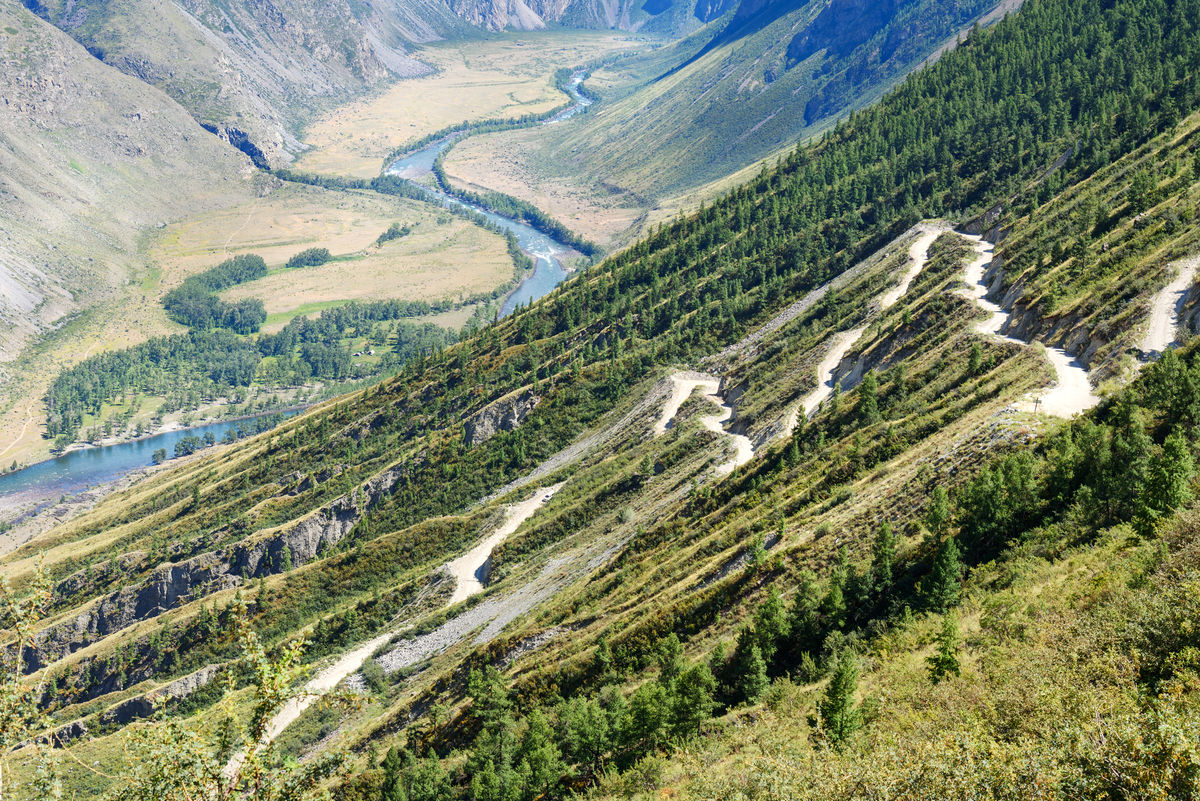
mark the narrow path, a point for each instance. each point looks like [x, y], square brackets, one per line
[24, 427]
[682, 387]
[843, 341]
[977, 290]
[470, 569]
[840, 344]
[918, 256]
[743, 448]
[1072, 391]
[249, 214]
[1166, 311]
[466, 570]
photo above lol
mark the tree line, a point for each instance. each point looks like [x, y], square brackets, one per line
[194, 303]
[213, 363]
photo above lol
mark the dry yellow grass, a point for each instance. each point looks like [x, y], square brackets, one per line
[436, 261]
[506, 162]
[443, 257]
[511, 162]
[278, 226]
[130, 318]
[449, 259]
[501, 77]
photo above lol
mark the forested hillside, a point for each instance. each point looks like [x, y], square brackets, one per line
[926, 588]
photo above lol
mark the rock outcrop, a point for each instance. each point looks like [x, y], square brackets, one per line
[254, 72]
[173, 585]
[143, 706]
[89, 159]
[505, 414]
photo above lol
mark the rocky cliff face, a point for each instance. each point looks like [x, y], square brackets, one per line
[143, 706]
[171, 585]
[505, 414]
[528, 15]
[842, 26]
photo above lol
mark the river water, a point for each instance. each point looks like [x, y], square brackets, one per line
[80, 469]
[546, 252]
[88, 467]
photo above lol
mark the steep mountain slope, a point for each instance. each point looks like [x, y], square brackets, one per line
[252, 71]
[621, 590]
[652, 15]
[750, 84]
[89, 159]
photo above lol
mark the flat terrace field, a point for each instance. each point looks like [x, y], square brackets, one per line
[443, 257]
[479, 79]
[508, 162]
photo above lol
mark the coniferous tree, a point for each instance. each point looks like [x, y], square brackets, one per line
[942, 586]
[975, 360]
[857, 591]
[840, 716]
[1141, 190]
[1168, 482]
[720, 665]
[584, 733]
[539, 759]
[489, 695]
[792, 455]
[868, 399]
[644, 727]
[753, 679]
[602, 662]
[804, 626]
[1127, 474]
[770, 625]
[393, 767]
[937, 513]
[944, 660]
[883, 559]
[833, 605]
[692, 702]
[670, 659]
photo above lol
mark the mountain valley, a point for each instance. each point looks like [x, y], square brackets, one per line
[850, 453]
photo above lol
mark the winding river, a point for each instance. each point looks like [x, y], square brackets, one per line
[80, 469]
[546, 252]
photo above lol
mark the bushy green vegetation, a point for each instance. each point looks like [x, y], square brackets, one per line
[394, 231]
[202, 311]
[239, 269]
[212, 364]
[312, 257]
